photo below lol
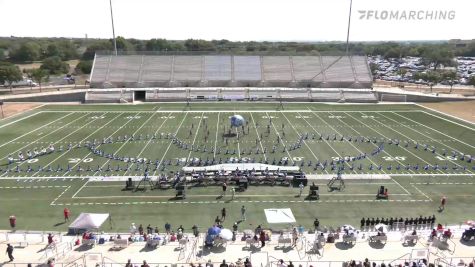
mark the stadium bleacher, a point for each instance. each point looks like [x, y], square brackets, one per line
[140, 71]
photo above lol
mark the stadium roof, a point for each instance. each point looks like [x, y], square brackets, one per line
[144, 71]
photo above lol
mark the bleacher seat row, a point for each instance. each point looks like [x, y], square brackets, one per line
[139, 71]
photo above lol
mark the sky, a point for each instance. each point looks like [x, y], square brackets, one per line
[238, 20]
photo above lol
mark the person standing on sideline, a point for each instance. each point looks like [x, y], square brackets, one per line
[262, 238]
[443, 201]
[223, 214]
[66, 213]
[301, 186]
[10, 252]
[243, 213]
[225, 187]
[233, 192]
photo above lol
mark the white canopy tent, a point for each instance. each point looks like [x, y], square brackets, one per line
[86, 222]
[279, 216]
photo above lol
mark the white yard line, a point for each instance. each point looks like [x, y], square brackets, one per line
[456, 123]
[422, 193]
[91, 134]
[281, 139]
[20, 119]
[196, 135]
[74, 196]
[293, 127]
[62, 154]
[32, 131]
[258, 137]
[230, 111]
[170, 144]
[385, 152]
[443, 113]
[61, 194]
[423, 160]
[126, 141]
[325, 141]
[421, 133]
[216, 138]
[149, 141]
[434, 129]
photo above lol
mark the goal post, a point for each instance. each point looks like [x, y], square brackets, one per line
[393, 98]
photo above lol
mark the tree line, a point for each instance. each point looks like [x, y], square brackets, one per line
[53, 52]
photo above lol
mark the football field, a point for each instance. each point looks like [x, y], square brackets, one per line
[79, 156]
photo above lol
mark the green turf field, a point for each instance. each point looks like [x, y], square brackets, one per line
[36, 190]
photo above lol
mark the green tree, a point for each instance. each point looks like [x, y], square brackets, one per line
[9, 73]
[450, 76]
[122, 44]
[54, 51]
[433, 77]
[84, 66]
[471, 81]
[199, 45]
[97, 46]
[39, 75]
[54, 65]
[29, 51]
[437, 57]
[158, 45]
[2, 54]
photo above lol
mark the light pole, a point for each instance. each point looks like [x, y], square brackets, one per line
[348, 32]
[113, 31]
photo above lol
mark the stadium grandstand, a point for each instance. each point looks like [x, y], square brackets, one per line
[175, 71]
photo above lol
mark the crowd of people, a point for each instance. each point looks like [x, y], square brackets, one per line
[369, 223]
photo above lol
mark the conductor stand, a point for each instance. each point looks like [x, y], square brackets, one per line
[142, 185]
[336, 183]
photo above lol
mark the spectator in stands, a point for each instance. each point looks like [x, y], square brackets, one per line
[281, 263]
[180, 228]
[140, 229]
[295, 236]
[133, 228]
[366, 263]
[168, 228]
[316, 224]
[223, 264]
[448, 233]
[144, 264]
[50, 239]
[209, 264]
[195, 230]
[156, 230]
[262, 238]
[149, 229]
[239, 263]
[10, 252]
[258, 230]
[290, 264]
[247, 263]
